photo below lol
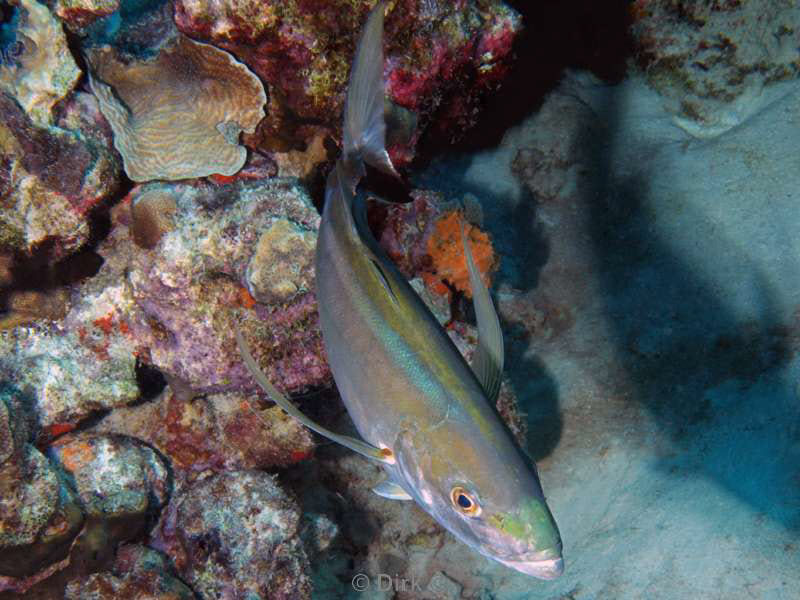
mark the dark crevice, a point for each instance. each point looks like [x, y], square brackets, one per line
[74, 44]
[150, 380]
[586, 34]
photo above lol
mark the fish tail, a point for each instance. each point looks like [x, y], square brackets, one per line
[364, 134]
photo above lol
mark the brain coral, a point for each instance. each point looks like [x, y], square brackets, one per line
[179, 115]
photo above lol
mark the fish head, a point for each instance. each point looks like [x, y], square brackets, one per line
[489, 500]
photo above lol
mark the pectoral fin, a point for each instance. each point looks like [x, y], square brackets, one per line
[356, 445]
[488, 361]
[392, 491]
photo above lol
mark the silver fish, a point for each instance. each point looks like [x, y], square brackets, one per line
[422, 411]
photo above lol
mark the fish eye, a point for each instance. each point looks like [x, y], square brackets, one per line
[465, 501]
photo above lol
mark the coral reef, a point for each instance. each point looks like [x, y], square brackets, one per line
[179, 115]
[181, 266]
[42, 71]
[441, 57]
[173, 306]
[235, 534]
[716, 63]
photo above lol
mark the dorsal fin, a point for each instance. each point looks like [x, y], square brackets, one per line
[364, 135]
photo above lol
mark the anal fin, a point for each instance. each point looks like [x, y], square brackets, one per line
[488, 362]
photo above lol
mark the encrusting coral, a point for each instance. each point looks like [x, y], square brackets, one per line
[424, 239]
[179, 115]
[446, 249]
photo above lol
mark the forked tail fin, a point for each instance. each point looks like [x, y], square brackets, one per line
[364, 125]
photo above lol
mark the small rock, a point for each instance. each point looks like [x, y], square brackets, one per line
[318, 533]
[115, 476]
[236, 534]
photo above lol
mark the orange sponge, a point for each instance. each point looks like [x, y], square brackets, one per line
[449, 262]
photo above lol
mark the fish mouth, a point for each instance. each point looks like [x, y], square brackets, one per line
[549, 568]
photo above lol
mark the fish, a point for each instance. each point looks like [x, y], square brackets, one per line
[422, 412]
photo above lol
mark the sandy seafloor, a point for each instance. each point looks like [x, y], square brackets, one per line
[666, 416]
